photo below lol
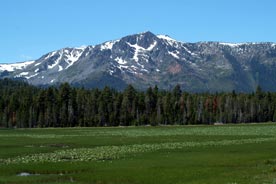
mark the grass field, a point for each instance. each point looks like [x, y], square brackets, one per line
[230, 154]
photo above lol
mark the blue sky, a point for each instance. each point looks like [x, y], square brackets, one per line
[31, 28]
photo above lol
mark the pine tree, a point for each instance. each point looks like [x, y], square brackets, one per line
[64, 97]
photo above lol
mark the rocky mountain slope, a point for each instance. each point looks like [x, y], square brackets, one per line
[147, 59]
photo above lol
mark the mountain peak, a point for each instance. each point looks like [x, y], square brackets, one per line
[141, 35]
[147, 33]
[144, 40]
[146, 59]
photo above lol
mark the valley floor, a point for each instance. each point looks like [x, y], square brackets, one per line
[171, 154]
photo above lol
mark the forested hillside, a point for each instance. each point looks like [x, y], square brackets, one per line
[23, 105]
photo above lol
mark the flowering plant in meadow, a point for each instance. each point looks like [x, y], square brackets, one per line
[102, 153]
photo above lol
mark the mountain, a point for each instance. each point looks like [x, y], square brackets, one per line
[147, 59]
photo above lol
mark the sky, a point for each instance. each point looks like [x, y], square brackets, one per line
[32, 28]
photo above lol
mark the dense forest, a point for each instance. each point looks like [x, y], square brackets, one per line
[23, 105]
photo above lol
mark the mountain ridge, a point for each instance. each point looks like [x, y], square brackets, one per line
[146, 59]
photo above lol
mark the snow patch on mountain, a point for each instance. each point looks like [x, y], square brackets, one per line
[188, 51]
[56, 62]
[138, 50]
[37, 64]
[145, 70]
[31, 76]
[22, 74]
[108, 45]
[73, 56]
[15, 66]
[51, 54]
[60, 68]
[168, 39]
[174, 54]
[83, 47]
[231, 44]
[120, 61]
[122, 67]
[152, 46]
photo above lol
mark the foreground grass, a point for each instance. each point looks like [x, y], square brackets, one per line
[174, 154]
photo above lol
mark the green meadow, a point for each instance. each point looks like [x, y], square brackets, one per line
[230, 154]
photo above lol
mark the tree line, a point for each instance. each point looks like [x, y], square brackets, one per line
[23, 105]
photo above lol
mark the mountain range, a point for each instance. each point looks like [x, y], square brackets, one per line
[146, 59]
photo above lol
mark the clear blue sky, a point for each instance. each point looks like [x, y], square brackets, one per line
[31, 28]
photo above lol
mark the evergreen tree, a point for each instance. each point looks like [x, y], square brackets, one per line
[22, 105]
